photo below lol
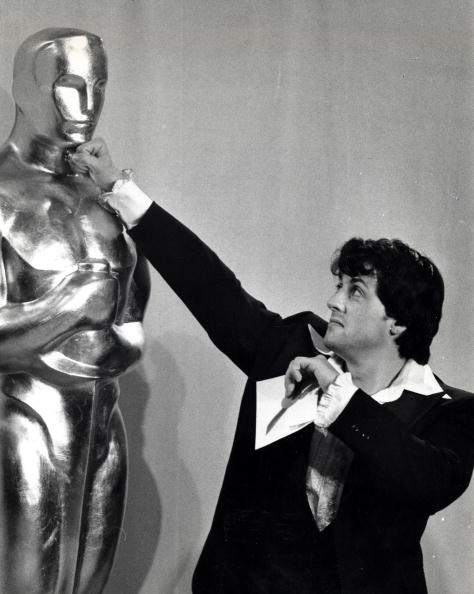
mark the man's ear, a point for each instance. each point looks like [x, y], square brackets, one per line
[396, 329]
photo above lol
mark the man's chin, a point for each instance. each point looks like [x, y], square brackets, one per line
[334, 343]
[335, 347]
[330, 341]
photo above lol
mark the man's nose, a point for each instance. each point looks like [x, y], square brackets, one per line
[336, 302]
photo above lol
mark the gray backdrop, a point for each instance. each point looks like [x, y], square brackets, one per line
[276, 129]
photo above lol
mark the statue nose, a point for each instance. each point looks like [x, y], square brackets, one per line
[87, 104]
[89, 101]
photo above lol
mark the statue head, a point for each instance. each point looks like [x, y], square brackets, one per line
[59, 83]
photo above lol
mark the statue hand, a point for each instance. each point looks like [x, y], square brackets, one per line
[89, 297]
[93, 158]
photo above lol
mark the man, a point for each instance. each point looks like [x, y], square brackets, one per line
[337, 504]
[72, 302]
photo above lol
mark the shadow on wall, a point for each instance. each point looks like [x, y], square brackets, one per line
[193, 387]
[163, 518]
[142, 524]
[181, 504]
[6, 107]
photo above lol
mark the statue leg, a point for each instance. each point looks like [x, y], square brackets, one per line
[103, 510]
[30, 503]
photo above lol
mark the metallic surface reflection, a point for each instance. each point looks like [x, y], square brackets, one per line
[72, 299]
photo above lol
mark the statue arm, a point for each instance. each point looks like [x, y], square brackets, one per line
[83, 299]
[141, 279]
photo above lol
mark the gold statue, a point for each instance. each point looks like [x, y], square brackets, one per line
[71, 305]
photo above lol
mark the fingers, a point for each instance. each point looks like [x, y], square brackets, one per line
[85, 158]
[291, 378]
[96, 147]
[324, 372]
[309, 367]
[298, 369]
[93, 158]
[83, 162]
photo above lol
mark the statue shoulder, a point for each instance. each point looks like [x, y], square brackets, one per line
[12, 193]
[12, 179]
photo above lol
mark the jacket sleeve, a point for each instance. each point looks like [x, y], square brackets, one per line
[430, 468]
[234, 320]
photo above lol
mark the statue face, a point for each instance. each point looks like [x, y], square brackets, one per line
[62, 93]
[78, 91]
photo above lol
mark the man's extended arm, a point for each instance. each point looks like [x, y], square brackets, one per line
[234, 320]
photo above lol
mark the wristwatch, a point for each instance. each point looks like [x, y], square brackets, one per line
[126, 176]
[103, 198]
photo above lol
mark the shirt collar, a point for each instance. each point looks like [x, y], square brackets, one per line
[285, 417]
[413, 377]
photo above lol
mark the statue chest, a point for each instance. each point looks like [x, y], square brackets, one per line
[47, 234]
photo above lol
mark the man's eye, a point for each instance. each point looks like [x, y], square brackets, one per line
[357, 291]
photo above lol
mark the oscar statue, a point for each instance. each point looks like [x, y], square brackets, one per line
[72, 298]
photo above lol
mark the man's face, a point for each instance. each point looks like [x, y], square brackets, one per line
[358, 324]
[71, 78]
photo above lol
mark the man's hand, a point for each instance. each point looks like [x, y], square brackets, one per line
[93, 158]
[303, 368]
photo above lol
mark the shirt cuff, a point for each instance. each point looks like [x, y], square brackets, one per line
[129, 202]
[334, 400]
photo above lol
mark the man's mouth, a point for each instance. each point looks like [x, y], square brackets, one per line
[336, 321]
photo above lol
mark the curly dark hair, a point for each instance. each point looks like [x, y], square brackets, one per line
[409, 285]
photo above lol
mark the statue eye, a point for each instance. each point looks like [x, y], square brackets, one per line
[70, 80]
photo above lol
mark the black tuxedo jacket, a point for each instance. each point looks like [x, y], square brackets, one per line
[412, 457]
